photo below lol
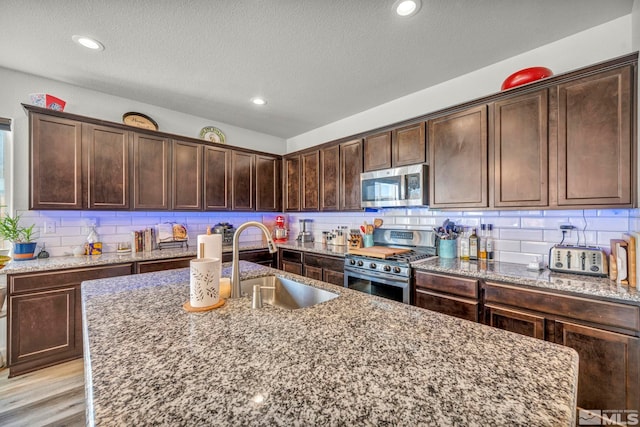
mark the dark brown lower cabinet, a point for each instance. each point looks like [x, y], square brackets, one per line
[162, 264]
[257, 256]
[520, 322]
[609, 373]
[326, 268]
[45, 315]
[604, 334]
[463, 308]
[455, 296]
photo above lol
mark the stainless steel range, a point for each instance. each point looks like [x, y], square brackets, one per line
[389, 277]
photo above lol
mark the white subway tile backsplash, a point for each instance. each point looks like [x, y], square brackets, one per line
[546, 222]
[520, 235]
[608, 224]
[507, 245]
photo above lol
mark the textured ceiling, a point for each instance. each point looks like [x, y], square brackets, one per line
[315, 61]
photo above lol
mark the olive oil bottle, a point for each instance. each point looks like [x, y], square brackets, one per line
[473, 246]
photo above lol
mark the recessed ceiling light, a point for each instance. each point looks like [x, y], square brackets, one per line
[258, 101]
[406, 7]
[88, 42]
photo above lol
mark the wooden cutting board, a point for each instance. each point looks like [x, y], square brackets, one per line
[378, 251]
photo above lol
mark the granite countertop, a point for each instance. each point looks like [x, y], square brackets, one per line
[355, 360]
[62, 262]
[574, 284]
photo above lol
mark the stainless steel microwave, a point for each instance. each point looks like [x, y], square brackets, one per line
[396, 187]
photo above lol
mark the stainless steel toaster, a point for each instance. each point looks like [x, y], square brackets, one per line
[578, 259]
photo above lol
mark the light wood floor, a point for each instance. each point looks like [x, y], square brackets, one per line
[49, 397]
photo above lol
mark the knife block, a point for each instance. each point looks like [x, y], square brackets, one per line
[355, 240]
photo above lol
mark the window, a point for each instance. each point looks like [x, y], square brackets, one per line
[5, 169]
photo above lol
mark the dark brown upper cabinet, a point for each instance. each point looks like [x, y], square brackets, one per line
[521, 149]
[350, 170]
[242, 181]
[107, 168]
[377, 151]
[267, 183]
[186, 176]
[55, 163]
[310, 181]
[408, 145]
[291, 185]
[458, 159]
[151, 172]
[593, 151]
[217, 178]
[330, 178]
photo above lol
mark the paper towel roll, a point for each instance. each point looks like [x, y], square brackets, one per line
[204, 282]
[212, 245]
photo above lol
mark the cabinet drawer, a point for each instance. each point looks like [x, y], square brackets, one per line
[293, 256]
[54, 279]
[160, 265]
[463, 308]
[451, 285]
[331, 263]
[588, 310]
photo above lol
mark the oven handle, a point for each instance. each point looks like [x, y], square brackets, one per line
[375, 276]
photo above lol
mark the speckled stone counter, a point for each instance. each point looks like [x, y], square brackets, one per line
[574, 284]
[315, 247]
[57, 263]
[354, 360]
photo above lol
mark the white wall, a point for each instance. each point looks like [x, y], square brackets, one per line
[15, 88]
[597, 44]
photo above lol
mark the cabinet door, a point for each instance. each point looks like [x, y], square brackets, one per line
[458, 159]
[292, 176]
[292, 267]
[56, 163]
[609, 375]
[330, 178]
[463, 308]
[521, 151]
[217, 183]
[186, 176]
[594, 150]
[313, 272]
[409, 145]
[267, 184]
[108, 152]
[377, 151]
[310, 181]
[243, 191]
[518, 321]
[333, 277]
[151, 170]
[45, 326]
[350, 170]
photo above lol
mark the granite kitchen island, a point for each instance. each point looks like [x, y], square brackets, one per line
[354, 360]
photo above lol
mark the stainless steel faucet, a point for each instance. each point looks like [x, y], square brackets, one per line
[235, 269]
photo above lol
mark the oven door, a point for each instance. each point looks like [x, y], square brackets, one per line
[374, 283]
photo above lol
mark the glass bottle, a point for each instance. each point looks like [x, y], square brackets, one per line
[482, 242]
[464, 245]
[473, 246]
[490, 242]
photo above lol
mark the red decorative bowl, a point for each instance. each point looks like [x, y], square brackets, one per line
[526, 75]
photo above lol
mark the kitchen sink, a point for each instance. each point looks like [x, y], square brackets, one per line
[286, 293]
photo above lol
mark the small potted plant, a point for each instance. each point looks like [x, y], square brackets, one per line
[22, 237]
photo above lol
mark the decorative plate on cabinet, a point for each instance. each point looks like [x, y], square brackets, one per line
[139, 120]
[212, 134]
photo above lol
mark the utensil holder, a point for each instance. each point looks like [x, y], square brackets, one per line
[448, 248]
[368, 240]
